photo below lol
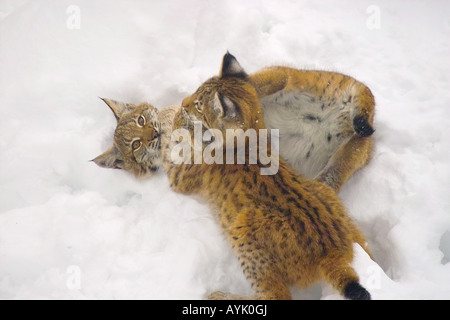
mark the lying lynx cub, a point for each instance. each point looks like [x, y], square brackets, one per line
[285, 229]
[324, 120]
[137, 142]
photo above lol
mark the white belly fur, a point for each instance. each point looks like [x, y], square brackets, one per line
[311, 129]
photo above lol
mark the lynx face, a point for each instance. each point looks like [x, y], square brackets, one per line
[137, 142]
[223, 102]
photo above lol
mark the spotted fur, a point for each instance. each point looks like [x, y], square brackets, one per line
[325, 121]
[137, 143]
[285, 229]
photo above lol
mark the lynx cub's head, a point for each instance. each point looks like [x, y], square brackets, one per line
[228, 101]
[137, 142]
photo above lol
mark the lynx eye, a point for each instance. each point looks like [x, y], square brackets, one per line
[141, 121]
[136, 144]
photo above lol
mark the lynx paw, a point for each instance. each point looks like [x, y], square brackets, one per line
[362, 126]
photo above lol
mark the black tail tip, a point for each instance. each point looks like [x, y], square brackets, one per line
[362, 126]
[354, 291]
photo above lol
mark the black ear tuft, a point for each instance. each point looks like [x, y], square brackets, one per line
[232, 68]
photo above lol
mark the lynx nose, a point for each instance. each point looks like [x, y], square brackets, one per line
[151, 133]
[154, 134]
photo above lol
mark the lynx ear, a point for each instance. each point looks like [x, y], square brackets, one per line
[231, 68]
[118, 108]
[111, 158]
[224, 107]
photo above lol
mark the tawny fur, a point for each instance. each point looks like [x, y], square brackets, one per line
[285, 229]
[314, 111]
[137, 143]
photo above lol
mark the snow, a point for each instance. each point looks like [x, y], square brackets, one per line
[70, 230]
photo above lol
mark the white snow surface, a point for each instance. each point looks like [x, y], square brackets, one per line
[71, 230]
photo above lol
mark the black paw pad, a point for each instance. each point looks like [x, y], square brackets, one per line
[362, 126]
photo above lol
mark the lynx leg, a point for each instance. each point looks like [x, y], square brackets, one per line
[355, 153]
[273, 288]
[266, 278]
[350, 157]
